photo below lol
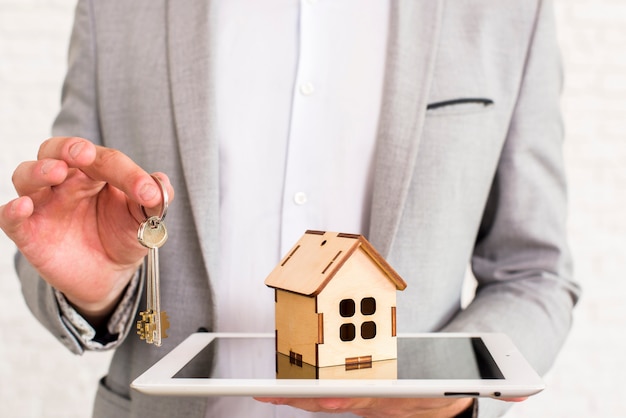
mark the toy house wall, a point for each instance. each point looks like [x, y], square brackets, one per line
[385, 369]
[358, 278]
[296, 325]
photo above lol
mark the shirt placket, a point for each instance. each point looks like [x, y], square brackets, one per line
[301, 187]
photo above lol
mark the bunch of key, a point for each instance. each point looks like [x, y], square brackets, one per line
[153, 322]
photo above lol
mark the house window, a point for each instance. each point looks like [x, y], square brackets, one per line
[347, 308]
[368, 306]
[368, 330]
[347, 332]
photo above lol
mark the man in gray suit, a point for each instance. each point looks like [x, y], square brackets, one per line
[437, 123]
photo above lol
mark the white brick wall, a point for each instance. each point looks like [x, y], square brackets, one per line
[38, 378]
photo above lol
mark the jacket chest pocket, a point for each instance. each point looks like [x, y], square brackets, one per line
[459, 105]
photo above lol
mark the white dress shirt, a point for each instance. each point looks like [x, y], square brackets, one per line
[298, 95]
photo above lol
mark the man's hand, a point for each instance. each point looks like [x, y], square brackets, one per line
[379, 407]
[76, 219]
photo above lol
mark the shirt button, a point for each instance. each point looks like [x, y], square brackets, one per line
[307, 88]
[300, 198]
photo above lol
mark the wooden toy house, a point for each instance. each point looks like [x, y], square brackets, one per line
[335, 300]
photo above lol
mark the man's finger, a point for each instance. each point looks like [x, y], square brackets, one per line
[519, 399]
[107, 165]
[32, 176]
[13, 215]
[117, 169]
[76, 152]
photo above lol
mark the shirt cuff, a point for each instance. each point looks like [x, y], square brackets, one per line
[116, 326]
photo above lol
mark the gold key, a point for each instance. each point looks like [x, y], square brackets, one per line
[153, 322]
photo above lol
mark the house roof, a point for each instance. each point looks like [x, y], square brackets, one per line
[318, 256]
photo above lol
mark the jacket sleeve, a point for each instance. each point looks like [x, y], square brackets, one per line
[54, 312]
[521, 259]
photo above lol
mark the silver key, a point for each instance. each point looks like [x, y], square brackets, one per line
[152, 234]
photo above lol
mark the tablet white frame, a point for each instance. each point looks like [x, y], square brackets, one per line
[520, 378]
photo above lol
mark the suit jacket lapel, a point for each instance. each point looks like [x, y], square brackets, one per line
[413, 36]
[189, 49]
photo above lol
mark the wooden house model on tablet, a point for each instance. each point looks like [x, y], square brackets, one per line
[335, 300]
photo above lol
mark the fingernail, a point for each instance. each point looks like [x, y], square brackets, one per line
[76, 149]
[148, 191]
[47, 166]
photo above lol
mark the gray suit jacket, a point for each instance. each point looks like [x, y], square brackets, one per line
[477, 181]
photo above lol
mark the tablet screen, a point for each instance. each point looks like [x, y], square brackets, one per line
[418, 358]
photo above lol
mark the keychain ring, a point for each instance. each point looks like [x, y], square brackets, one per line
[165, 198]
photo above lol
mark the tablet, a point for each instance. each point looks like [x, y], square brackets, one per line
[428, 365]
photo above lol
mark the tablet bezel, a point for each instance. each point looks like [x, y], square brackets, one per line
[520, 379]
